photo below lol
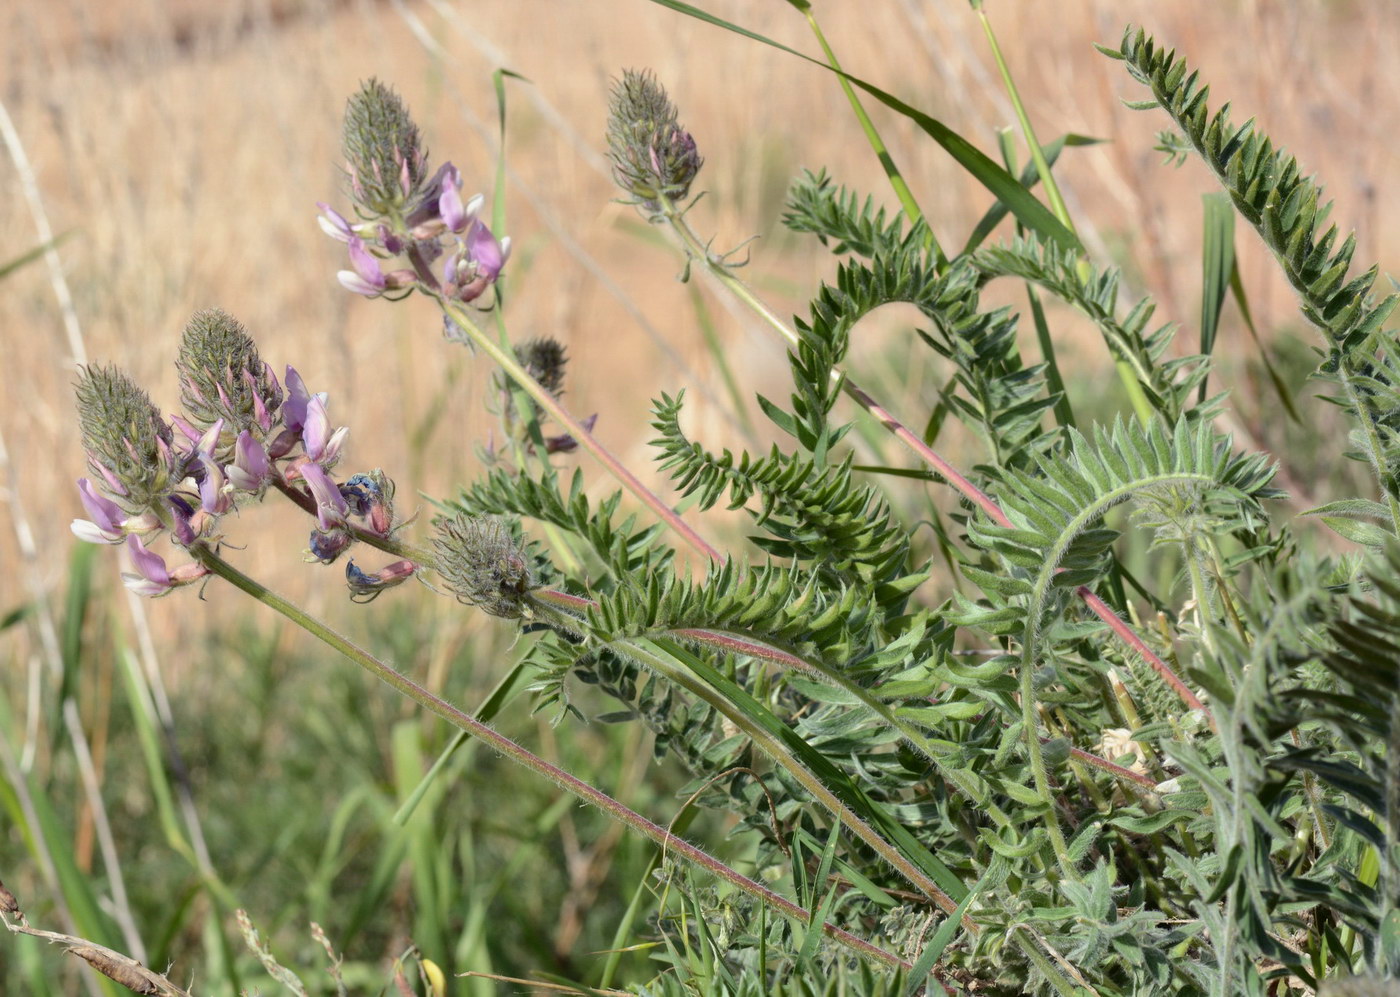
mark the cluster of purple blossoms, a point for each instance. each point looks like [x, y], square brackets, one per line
[423, 223]
[241, 432]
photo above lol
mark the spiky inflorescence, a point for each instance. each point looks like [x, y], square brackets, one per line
[652, 156]
[223, 377]
[383, 151]
[483, 564]
[545, 360]
[128, 443]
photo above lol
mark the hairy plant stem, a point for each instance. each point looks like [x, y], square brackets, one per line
[210, 559]
[506, 360]
[655, 659]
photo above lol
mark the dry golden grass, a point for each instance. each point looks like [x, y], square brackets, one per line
[184, 145]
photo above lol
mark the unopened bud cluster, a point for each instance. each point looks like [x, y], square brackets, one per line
[484, 564]
[241, 431]
[653, 157]
[413, 230]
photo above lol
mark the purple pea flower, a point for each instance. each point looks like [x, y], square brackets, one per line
[212, 496]
[152, 578]
[107, 523]
[476, 264]
[331, 507]
[251, 468]
[367, 278]
[321, 445]
[294, 408]
[333, 223]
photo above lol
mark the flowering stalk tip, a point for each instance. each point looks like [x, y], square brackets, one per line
[484, 564]
[384, 155]
[652, 156]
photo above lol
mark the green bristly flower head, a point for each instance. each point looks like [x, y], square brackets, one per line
[483, 563]
[128, 443]
[223, 377]
[652, 156]
[383, 152]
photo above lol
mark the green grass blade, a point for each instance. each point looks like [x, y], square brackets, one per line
[1029, 178]
[872, 136]
[1034, 215]
[1285, 396]
[1217, 263]
[30, 255]
[837, 781]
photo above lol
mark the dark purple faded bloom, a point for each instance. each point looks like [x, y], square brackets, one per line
[326, 545]
[366, 587]
[371, 496]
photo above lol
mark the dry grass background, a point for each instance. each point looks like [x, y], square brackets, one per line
[184, 145]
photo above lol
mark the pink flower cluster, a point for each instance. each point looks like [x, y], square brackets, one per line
[446, 247]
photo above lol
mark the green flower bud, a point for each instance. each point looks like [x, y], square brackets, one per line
[128, 443]
[223, 377]
[652, 156]
[383, 151]
[483, 564]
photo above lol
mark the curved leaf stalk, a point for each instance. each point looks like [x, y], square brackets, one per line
[1200, 589]
[517, 753]
[699, 252]
[1130, 637]
[1272, 194]
[1030, 722]
[561, 415]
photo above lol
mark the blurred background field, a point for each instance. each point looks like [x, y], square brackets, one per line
[182, 146]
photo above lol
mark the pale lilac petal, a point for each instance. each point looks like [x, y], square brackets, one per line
[331, 453]
[212, 497]
[251, 466]
[106, 515]
[483, 248]
[352, 281]
[151, 578]
[186, 429]
[210, 439]
[294, 408]
[93, 534]
[450, 206]
[365, 264]
[331, 507]
[317, 428]
[333, 223]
